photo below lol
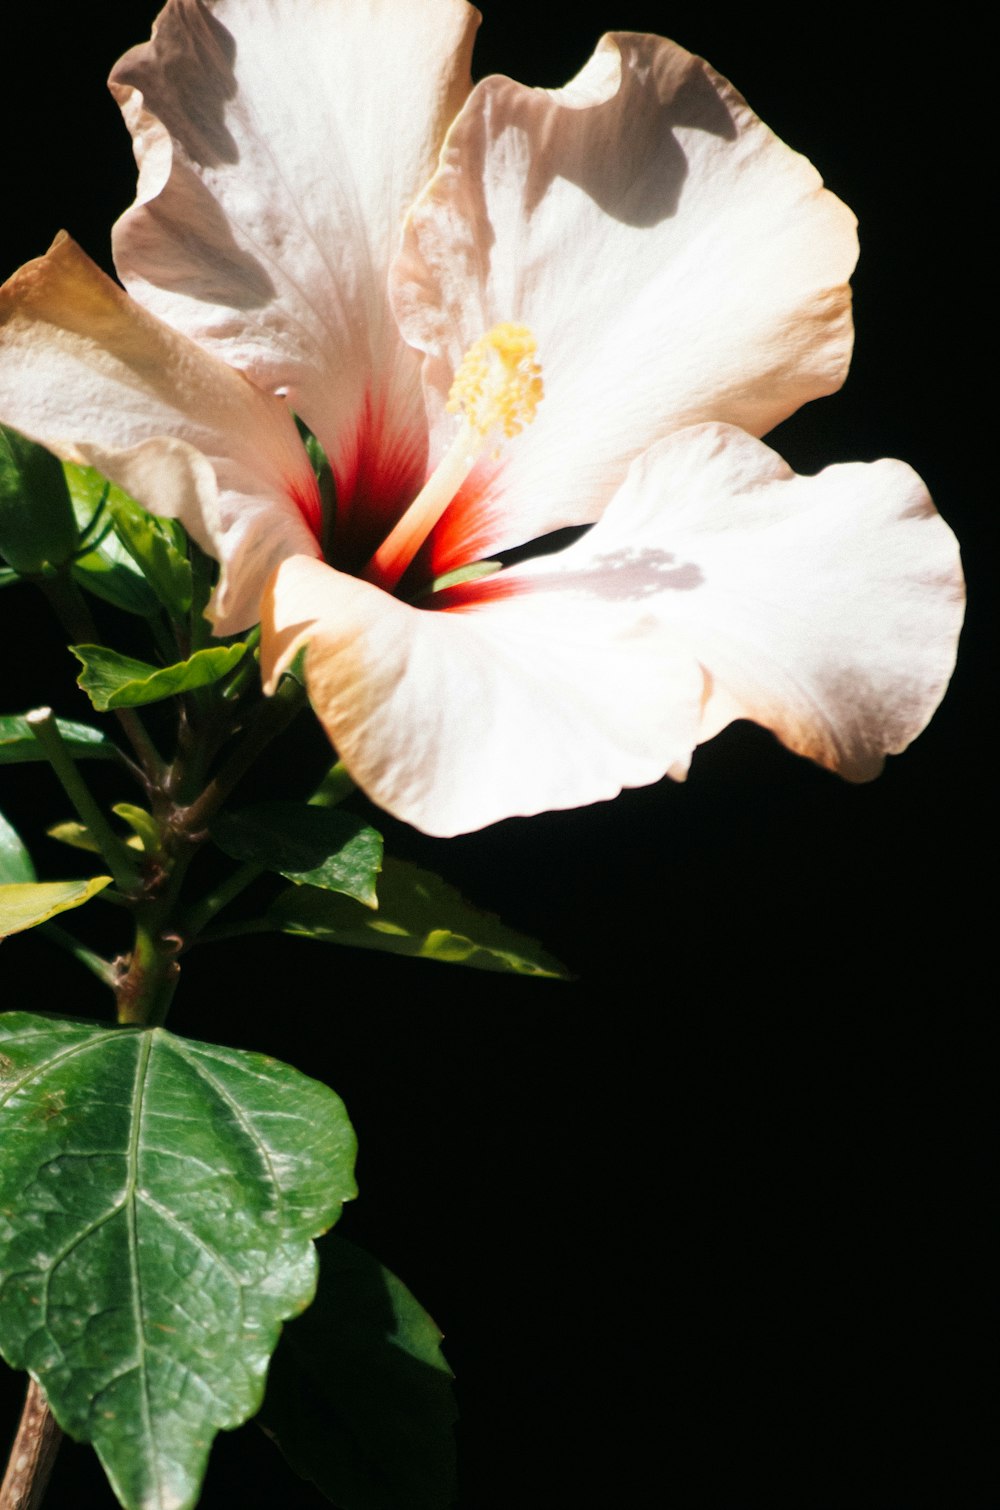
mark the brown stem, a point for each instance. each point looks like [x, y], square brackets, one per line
[33, 1454]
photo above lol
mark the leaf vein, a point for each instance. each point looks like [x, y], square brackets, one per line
[172, 1220]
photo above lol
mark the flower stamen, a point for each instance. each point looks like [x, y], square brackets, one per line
[497, 389]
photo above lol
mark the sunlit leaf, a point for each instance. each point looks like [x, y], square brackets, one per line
[107, 569]
[111, 680]
[158, 1198]
[142, 824]
[312, 846]
[359, 1397]
[418, 914]
[25, 905]
[17, 743]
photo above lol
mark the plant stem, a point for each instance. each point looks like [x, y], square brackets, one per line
[145, 990]
[91, 961]
[271, 719]
[69, 605]
[33, 1454]
[120, 859]
[202, 913]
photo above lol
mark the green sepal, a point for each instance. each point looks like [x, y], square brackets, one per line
[112, 680]
[418, 914]
[106, 569]
[333, 850]
[18, 743]
[158, 1201]
[24, 905]
[16, 865]
[359, 1396]
[37, 523]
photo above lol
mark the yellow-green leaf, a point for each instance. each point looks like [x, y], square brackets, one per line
[26, 904]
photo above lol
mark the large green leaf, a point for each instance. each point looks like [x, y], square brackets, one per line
[15, 861]
[311, 846]
[107, 569]
[359, 1397]
[111, 680]
[26, 904]
[418, 914]
[17, 742]
[158, 1198]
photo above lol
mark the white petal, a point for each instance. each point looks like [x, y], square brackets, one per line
[676, 262]
[826, 608]
[452, 721]
[280, 143]
[88, 373]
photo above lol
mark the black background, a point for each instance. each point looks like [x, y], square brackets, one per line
[707, 1226]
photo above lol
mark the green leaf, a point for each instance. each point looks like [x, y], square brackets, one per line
[157, 546]
[37, 524]
[15, 861]
[17, 743]
[311, 846]
[143, 825]
[359, 1397]
[157, 1201]
[25, 905]
[418, 914]
[106, 570]
[111, 680]
[143, 558]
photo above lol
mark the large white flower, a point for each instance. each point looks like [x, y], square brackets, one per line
[502, 311]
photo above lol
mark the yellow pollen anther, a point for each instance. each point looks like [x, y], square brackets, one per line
[498, 383]
[498, 387]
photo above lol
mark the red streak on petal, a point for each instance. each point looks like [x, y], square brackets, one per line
[466, 531]
[378, 475]
[304, 493]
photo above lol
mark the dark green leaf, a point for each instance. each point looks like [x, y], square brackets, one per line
[111, 680]
[311, 846]
[157, 1201]
[418, 914]
[15, 861]
[17, 742]
[37, 524]
[359, 1397]
[25, 905]
[107, 569]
